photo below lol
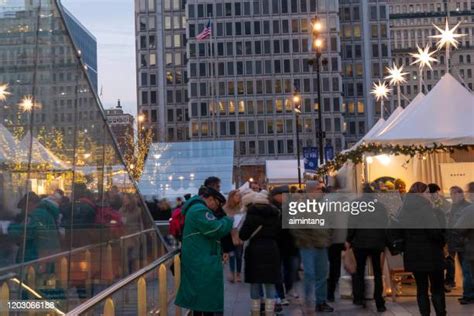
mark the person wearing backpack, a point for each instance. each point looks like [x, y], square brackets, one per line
[202, 281]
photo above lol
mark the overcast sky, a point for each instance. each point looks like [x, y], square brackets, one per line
[112, 23]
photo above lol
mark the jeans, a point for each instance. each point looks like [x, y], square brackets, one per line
[436, 280]
[359, 278]
[467, 283]
[235, 260]
[334, 253]
[316, 268]
[289, 271]
[256, 291]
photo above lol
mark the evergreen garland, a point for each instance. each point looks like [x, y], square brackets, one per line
[357, 155]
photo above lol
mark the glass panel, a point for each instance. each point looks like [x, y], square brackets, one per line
[72, 218]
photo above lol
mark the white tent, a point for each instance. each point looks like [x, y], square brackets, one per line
[40, 154]
[444, 116]
[283, 171]
[8, 144]
[396, 118]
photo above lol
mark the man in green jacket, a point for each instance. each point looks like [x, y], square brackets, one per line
[202, 281]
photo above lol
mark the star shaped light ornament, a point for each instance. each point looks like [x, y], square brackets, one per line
[380, 90]
[27, 104]
[4, 93]
[448, 37]
[423, 57]
[396, 75]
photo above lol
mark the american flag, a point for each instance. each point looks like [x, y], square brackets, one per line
[205, 33]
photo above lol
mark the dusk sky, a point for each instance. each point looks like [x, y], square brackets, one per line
[112, 23]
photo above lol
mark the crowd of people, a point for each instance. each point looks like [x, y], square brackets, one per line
[246, 231]
[55, 222]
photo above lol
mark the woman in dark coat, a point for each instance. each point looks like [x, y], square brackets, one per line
[424, 237]
[262, 256]
[367, 237]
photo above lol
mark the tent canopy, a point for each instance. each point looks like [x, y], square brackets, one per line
[8, 144]
[283, 171]
[393, 120]
[40, 154]
[443, 116]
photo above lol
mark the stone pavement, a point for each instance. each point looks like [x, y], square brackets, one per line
[237, 303]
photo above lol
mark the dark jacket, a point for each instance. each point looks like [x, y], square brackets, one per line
[262, 255]
[423, 246]
[454, 239]
[226, 242]
[368, 230]
[465, 224]
[286, 241]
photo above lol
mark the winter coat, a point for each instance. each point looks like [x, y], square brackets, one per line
[423, 246]
[465, 224]
[454, 239]
[42, 235]
[202, 280]
[226, 242]
[313, 237]
[368, 230]
[286, 241]
[262, 254]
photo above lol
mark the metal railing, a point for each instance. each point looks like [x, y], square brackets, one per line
[138, 278]
[60, 277]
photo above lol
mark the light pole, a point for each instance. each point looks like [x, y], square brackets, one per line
[297, 110]
[318, 44]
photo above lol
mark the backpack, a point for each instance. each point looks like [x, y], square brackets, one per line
[177, 224]
[176, 228]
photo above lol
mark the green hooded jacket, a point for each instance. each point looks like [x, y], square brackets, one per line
[42, 236]
[202, 280]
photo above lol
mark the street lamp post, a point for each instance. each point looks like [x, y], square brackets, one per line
[318, 44]
[297, 110]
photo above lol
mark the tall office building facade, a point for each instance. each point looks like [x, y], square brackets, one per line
[59, 112]
[411, 24]
[241, 89]
[366, 54]
[86, 42]
[161, 68]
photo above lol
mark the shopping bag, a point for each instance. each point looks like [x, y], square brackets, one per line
[349, 261]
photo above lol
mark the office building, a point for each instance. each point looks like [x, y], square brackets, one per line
[365, 53]
[262, 52]
[411, 24]
[122, 127]
[86, 42]
[161, 68]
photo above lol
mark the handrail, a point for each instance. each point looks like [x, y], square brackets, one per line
[73, 251]
[121, 284]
